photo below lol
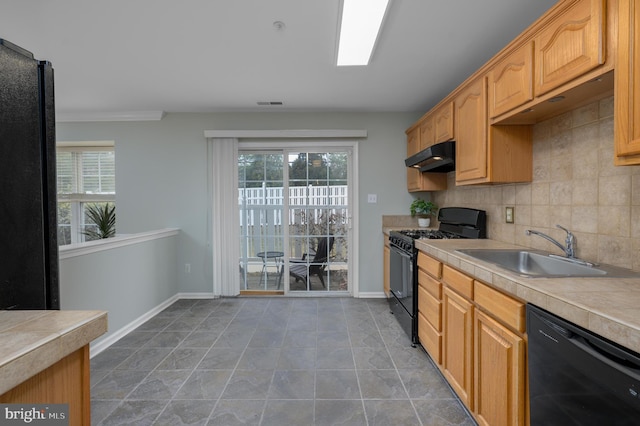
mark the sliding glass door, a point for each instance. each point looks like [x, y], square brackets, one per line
[294, 220]
[318, 211]
[261, 204]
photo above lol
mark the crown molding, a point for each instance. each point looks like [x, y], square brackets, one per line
[67, 117]
[285, 134]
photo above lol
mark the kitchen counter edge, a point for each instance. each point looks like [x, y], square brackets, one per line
[31, 341]
[606, 306]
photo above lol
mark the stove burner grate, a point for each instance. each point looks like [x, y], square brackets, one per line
[430, 234]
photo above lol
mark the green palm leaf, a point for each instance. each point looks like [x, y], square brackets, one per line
[104, 217]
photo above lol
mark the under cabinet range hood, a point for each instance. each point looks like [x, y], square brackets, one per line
[438, 158]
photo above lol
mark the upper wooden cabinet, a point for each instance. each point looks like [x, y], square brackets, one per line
[511, 81]
[413, 142]
[443, 119]
[427, 132]
[488, 154]
[414, 180]
[570, 45]
[471, 132]
[417, 181]
[563, 60]
[627, 76]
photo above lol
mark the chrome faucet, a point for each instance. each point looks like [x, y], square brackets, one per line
[570, 241]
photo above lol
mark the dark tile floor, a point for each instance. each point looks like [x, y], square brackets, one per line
[270, 361]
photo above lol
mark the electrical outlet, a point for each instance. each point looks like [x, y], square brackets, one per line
[509, 214]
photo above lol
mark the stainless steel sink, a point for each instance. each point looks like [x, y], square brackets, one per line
[533, 263]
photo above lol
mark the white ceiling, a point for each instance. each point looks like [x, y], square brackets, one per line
[225, 55]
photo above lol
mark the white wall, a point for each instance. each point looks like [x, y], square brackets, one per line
[128, 280]
[161, 177]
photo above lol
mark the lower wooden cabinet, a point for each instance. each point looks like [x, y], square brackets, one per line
[430, 339]
[430, 306]
[499, 373]
[65, 382]
[457, 352]
[475, 334]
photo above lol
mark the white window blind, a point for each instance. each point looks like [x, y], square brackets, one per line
[85, 175]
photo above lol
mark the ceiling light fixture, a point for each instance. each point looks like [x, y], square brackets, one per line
[360, 25]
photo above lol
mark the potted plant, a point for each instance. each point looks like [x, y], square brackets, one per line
[423, 209]
[104, 221]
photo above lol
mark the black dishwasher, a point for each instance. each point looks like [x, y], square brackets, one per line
[577, 377]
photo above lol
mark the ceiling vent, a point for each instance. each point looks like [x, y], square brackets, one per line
[270, 103]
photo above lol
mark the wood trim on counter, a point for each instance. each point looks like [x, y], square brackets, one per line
[65, 382]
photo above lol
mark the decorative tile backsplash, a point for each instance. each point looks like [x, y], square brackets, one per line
[575, 184]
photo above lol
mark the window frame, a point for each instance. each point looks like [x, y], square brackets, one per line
[78, 199]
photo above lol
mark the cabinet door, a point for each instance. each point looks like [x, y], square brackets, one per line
[471, 132]
[443, 123]
[386, 267]
[413, 142]
[458, 345]
[413, 146]
[416, 180]
[427, 133]
[570, 46]
[65, 382]
[627, 75]
[511, 81]
[499, 374]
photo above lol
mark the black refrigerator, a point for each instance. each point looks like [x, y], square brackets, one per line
[29, 275]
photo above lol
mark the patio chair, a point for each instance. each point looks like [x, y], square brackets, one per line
[299, 269]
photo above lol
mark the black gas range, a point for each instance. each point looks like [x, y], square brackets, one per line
[455, 222]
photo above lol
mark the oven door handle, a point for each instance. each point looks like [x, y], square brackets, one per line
[405, 254]
[400, 250]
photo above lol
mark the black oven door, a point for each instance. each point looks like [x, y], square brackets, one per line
[402, 277]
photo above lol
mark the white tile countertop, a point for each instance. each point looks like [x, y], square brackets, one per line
[31, 341]
[609, 307]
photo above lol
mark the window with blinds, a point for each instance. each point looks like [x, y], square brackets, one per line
[85, 179]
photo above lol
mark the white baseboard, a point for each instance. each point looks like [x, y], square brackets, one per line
[372, 295]
[197, 296]
[123, 331]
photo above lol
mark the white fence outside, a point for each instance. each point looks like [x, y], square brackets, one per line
[313, 211]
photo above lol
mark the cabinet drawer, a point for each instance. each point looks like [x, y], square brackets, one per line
[431, 308]
[431, 285]
[508, 310]
[430, 339]
[458, 281]
[430, 265]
